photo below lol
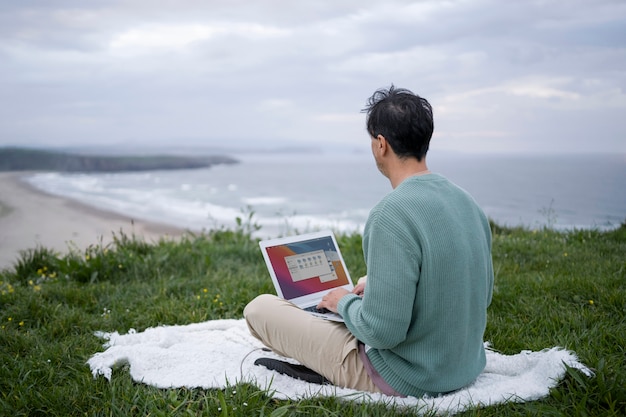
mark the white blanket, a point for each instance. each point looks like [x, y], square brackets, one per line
[218, 353]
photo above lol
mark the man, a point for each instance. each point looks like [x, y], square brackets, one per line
[416, 325]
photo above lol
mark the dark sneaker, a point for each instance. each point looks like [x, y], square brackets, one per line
[294, 371]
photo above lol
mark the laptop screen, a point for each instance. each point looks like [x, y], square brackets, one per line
[307, 266]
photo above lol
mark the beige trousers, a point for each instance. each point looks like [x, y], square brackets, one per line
[324, 346]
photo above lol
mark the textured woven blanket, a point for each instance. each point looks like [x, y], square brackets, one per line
[218, 353]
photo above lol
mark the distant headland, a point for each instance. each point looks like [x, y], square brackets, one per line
[26, 159]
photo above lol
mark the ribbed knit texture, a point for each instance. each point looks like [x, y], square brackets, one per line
[427, 247]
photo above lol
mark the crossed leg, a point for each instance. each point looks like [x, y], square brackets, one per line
[324, 346]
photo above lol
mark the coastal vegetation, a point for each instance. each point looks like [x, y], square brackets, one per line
[552, 288]
[23, 159]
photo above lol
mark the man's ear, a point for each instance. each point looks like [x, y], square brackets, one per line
[382, 145]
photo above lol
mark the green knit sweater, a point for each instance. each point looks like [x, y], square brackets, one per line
[427, 247]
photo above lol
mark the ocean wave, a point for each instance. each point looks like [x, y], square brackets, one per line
[287, 195]
[264, 201]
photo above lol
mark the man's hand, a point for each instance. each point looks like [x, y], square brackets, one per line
[331, 299]
[359, 289]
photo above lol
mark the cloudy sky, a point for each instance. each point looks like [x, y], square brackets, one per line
[515, 76]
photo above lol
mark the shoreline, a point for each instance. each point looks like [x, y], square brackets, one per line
[31, 218]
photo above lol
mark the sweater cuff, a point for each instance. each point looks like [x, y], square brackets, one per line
[344, 303]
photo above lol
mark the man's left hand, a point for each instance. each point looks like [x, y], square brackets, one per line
[330, 300]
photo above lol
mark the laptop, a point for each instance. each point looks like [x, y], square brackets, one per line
[306, 267]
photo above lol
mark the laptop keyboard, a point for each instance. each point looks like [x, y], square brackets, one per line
[314, 309]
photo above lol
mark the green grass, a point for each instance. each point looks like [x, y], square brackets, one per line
[552, 289]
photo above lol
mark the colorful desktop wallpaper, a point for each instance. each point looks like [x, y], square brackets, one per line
[291, 289]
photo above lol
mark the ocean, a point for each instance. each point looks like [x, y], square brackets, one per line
[289, 193]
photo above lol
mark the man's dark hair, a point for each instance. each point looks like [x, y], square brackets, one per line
[403, 118]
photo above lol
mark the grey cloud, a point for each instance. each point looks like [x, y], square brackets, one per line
[516, 73]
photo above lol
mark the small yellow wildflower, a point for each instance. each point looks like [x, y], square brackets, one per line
[204, 290]
[87, 257]
[21, 323]
[30, 282]
[590, 302]
[10, 319]
[565, 254]
[37, 288]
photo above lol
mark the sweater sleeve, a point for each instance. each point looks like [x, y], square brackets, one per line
[381, 318]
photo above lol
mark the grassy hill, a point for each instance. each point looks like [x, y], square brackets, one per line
[552, 288]
[22, 159]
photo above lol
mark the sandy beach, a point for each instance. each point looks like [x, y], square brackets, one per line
[31, 218]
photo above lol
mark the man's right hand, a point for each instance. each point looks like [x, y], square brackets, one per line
[359, 289]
